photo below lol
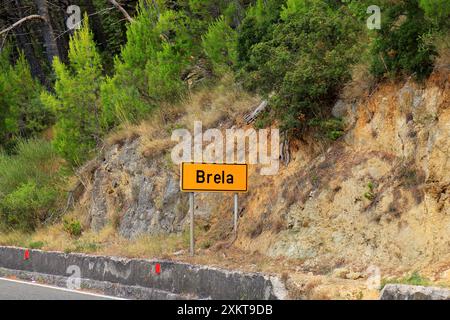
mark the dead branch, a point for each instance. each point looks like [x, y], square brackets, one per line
[249, 118]
[121, 9]
[17, 23]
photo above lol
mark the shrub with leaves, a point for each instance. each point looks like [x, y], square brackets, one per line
[304, 63]
[399, 47]
[72, 227]
[257, 26]
[30, 185]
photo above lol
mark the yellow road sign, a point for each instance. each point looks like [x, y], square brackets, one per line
[211, 177]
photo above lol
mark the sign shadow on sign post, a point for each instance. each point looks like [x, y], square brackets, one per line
[212, 177]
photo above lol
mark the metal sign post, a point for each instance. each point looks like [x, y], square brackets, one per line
[212, 177]
[191, 213]
[235, 214]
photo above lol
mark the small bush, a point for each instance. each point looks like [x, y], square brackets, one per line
[332, 128]
[35, 244]
[30, 185]
[72, 227]
[415, 279]
[370, 195]
[438, 11]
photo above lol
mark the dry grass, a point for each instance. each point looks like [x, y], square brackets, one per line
[105, 242]
[14, 238]
[442, 43]
[213, 106]
[217, 105]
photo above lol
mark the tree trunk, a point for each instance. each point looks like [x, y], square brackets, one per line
[25, 44]
[97, 27]
[51, 48]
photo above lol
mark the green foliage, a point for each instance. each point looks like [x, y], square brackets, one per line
[22, 114]
[257, 26]
[304, 64]
[438, 11]
[332, 128]
[158, 49]
[399, 47]
[219, 44]
[76, 102]
[370, 195]
[293, 7]
[72, 227]
[82, 246]
[415, 279]
[35, 244]
[30, 185]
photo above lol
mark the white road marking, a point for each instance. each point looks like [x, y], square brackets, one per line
[62, 289]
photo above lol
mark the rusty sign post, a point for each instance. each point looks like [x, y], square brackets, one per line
[211, 177]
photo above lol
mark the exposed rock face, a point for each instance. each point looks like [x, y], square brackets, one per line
[135, 193]
[379, 196]
[406, 292]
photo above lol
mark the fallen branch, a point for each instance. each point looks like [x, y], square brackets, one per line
[121, 9]
[249, 118]
[17, 23]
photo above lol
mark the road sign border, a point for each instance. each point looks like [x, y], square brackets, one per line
[208, 190]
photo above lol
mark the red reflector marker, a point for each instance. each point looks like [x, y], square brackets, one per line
[26, 255]
[157, 268]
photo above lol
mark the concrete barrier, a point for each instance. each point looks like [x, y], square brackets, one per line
[175, 280]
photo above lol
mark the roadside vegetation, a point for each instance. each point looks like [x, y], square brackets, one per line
[299, 54]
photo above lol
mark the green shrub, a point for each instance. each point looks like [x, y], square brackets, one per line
[304, 63]
[399, 47]
[332, 128]
[219, 44]
[415, 279]
[72, 227]
[370, 194]
[30, 185]
[257, 26]
[438, 11]
[35, 245]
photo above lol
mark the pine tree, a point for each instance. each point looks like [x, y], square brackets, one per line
[76, 102]
[22, 113]
[219, 44]
[149, 71]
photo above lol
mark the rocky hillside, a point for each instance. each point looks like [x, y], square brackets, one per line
[379, 196]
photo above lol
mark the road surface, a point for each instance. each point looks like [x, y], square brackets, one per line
[21, 290]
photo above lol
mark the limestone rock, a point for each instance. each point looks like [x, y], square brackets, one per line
[407, 292]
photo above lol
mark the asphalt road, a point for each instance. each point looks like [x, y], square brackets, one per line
[20, 290]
